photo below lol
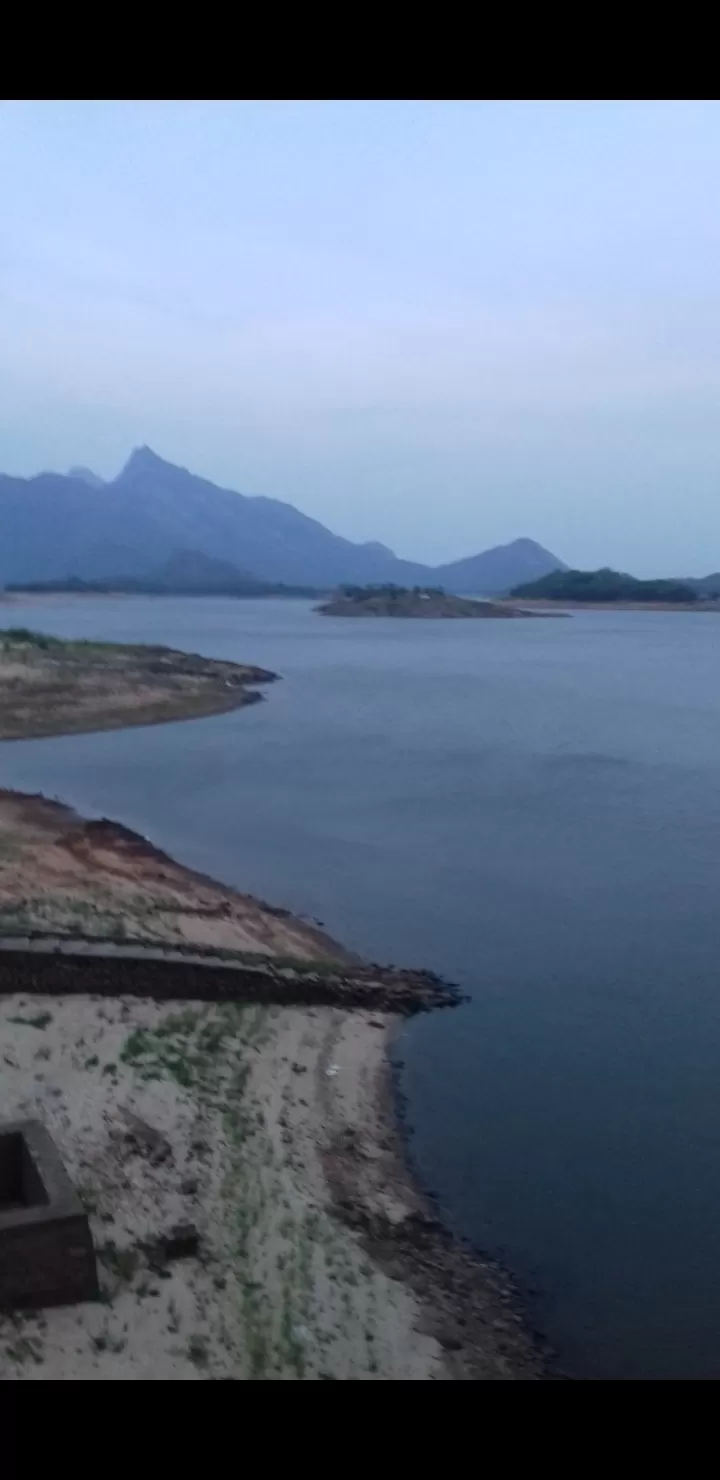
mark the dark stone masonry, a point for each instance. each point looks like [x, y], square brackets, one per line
[97, 968]
[46, 1250]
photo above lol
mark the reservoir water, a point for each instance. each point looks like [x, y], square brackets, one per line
[532, 809]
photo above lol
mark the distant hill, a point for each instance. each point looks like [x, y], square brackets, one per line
[86, 475]
[53, 527]
[188, 573]
[705, 586]
[603, 586]
[496, 570]
[190, 570]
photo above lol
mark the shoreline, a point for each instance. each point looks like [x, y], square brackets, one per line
[50, 686]
[449, 1313]
[465, 1295]
[251, 1065]
[540, 605]
[151, 714]
[316, 1256]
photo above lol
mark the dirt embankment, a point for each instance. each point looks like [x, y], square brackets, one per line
[268, 1131]
[93, 907]
[52, 687]
[63, 875]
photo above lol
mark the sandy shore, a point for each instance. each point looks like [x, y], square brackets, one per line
[271, 1130]
[279, 1287]
[268, 1132]
[265, 1131]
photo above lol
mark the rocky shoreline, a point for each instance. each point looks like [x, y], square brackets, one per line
[72, 965]
[255, 1047]
[469, 1304]
[464, 1317]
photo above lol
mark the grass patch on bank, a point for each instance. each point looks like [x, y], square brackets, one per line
[84, 646]
[25, 637]
[196, 1049]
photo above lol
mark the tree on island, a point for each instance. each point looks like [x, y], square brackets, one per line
[388, 592]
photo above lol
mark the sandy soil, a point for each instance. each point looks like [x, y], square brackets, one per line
[242, 1123]
[279, 1288]
[270, 1131]
[49, 687]
[60, 873]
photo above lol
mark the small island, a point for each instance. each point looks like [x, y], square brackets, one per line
[49, 686]
[415, 601]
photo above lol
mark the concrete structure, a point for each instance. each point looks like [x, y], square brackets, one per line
[46, 1250]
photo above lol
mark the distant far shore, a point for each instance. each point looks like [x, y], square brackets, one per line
[558, 605]
[498, 606]
[66, 593]
[600, 589]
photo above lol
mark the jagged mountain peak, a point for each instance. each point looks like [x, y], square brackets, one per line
[54, 527]
[143, 460]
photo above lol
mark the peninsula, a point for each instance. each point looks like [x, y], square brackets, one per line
[401, 601]
[214, 1073]
[50, 686]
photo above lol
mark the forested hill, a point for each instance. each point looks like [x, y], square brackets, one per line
[604, 586]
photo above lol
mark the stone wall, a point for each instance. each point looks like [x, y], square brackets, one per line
[58, 972]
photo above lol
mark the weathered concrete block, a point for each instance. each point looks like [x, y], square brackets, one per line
[46, 1249]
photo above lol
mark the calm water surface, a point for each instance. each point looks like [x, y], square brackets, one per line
[532, 809]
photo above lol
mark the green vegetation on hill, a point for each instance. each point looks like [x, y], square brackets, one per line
[603, 585]
[707, 587]
[25, 637]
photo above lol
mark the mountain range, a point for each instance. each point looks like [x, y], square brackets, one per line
[54, 526]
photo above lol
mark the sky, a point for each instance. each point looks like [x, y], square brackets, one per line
[441, 325]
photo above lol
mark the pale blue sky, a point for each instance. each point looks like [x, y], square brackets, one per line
[440, 325]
